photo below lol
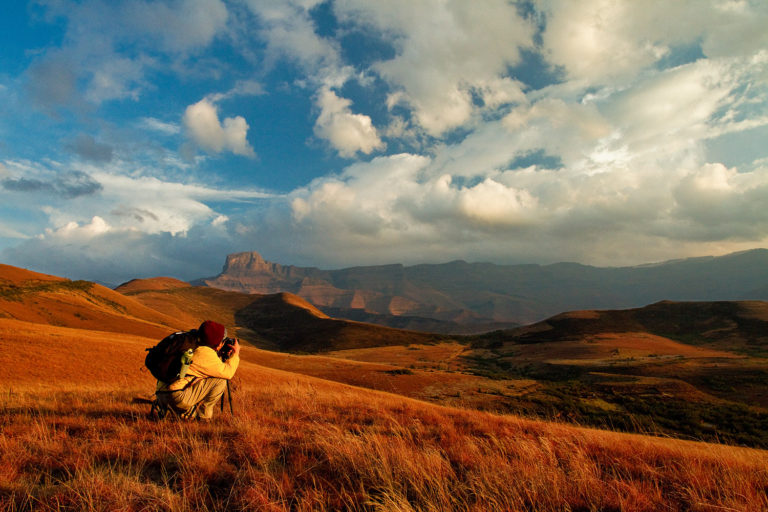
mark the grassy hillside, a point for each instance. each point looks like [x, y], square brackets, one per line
[71, 440]
[40, 298]
[740, 326]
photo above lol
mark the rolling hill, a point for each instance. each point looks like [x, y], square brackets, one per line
[40, 298]
[739, 326]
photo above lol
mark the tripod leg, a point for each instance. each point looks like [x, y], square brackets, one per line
[229, 395]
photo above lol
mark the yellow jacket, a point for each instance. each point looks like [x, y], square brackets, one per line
[205, 363]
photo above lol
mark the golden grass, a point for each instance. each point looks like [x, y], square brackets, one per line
[303, 444]
[71, 440]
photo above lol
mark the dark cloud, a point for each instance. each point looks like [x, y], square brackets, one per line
[69, 185]
[25, 185]
[52, 83]
[137, 213]
[88, 148]
[76, 183]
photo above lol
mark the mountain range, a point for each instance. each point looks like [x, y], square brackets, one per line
[461, 297]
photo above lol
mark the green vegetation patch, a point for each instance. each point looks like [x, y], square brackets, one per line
[580, 395]
[16, 293]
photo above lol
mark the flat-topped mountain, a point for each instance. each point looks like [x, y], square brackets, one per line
[482, 293]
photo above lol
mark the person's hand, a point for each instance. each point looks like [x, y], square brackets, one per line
[236, 347]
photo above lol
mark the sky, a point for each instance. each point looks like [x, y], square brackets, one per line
[144, 138]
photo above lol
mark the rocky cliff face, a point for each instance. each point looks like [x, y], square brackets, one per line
[468, 293]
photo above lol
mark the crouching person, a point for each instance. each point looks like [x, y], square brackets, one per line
[202, 379]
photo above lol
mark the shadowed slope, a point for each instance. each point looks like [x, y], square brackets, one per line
[288, 322]
[189, 304]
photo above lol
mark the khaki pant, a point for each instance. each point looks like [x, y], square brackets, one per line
[196, 400]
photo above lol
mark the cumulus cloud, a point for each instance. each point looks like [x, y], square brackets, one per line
[627, 157]
[289, 32]
[72, 231]
[410, 205]
[346, 131]
[445, 52]
[201, 121]
[610, 41]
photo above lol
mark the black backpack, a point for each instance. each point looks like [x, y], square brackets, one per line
[164, 360]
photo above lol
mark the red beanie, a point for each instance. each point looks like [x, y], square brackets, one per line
[211, 333]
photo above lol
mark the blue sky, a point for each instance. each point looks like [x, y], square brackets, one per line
[144, 138]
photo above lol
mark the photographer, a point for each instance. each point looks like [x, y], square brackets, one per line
[213, 363]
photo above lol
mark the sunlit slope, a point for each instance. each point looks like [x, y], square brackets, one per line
[153, 283]
[40, 298]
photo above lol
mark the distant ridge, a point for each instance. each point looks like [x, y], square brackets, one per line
[155, 283]
[738, 326]
[467, 294]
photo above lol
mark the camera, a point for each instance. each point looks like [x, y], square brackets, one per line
[227, 349]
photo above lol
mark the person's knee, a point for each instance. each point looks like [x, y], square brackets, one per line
[219, 384]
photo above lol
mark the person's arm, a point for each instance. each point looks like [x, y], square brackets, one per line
[206, 363]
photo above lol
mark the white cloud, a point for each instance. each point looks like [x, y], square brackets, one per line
[346, 131]
[241, 88]
[612, 41]
[445, 51]
[202, 123]
[158, 125]
[180, 25]
[289, 32]
[73, 231]
[613, 165]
